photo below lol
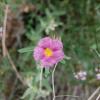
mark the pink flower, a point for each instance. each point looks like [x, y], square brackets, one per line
[98, 76]
[48, 51]
[81, 75]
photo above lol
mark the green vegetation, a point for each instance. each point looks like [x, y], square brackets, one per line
[77, 22]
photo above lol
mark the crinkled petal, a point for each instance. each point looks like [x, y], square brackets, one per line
[57, 44]
[57, 48]
[58, 55]
[48, 62]
[45, 42]
[38, 53]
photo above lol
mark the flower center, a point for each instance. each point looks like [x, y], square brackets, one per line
[48, 52]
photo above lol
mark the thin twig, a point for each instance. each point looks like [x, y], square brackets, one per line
[69, 90]
[41, 78]
[54, 96]
[98, 98]
[5, 50]
[73, 96]
[74, 92]
[53, 81]
[14, 68]
[94, 93]
[4, 31]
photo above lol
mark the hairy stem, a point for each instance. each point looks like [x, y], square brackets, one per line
[53, 86]
[41, 78]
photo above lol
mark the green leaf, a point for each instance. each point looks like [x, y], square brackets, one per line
[94, 46]
[43, 93]
[47, 72]
[47, 85]
[66, 57]
[63, 61]
[32, 96]
[27, 49]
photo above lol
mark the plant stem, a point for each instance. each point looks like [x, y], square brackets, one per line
[53, 81]
[41, 78]
[94, 93]
[4, 31]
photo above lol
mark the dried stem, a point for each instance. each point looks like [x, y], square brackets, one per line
[68, 96]
[4, 31]
[53, 85]
[14, 68]
[98, 98]
[5, 50]
[94, 93]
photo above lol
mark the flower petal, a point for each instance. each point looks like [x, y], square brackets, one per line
[48, 62]
[45, 42]
[57, 44]
[58, 55]
[38, 53]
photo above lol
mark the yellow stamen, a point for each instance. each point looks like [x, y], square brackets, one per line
[48, 52]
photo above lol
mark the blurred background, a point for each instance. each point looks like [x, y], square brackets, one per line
[77, 22]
